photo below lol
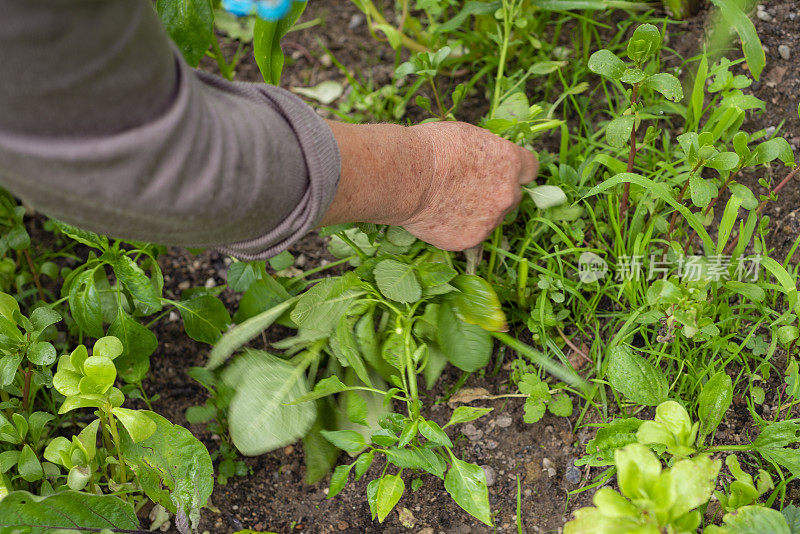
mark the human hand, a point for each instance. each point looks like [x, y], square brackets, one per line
[448, 183]
[475, 182]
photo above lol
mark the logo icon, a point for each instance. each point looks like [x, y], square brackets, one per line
[591, 267]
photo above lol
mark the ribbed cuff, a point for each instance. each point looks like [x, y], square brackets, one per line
[323, 162]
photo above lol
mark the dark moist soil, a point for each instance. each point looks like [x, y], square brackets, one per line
[274, 497]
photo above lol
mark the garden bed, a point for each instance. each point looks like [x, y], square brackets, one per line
[274, 497]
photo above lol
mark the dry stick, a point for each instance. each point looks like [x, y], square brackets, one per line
[763, 204]
[710, 206]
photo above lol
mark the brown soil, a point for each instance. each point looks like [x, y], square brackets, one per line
[274, 497]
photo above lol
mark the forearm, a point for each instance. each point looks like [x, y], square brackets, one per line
[385, 173]
[116, 134]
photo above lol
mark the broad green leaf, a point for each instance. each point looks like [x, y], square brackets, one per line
[770, 150]
[465, 414]
[467, 346]
[190, 23]
[23, 511]
[347, 440]
[84, 304]
[618, 131]
[30, 469]
[339, 479]
[632, 76]
[638, 470]
[715, 399]
[435, 274]
[477, 303]
[99, 375]
[240, 276]
[723, 161]
[42, 317]
[138, 344]
[390, 489]
[323, 388]
[259, 418]
[241, 334]
[546, 196]
[138, 423]
[792, 515]
[267, 43]
[636, 378]
[755, 519]
[42, 353]
[692, 482]
[606, 63]
[135, 280]
[397, 281]
[8, 368]
[83, 236]
[173, 467]
[108, 347]
[701, 190]
[348, 346]
[320, 308]
[466, 483]
[204, 318]
[434, 433]
[666, 84]
[645, 42]
[320, 454]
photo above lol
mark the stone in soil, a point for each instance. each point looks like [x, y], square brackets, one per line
[504, 421]
[784, 51]
[491, 476]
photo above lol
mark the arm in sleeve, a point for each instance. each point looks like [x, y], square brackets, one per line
[103, 125]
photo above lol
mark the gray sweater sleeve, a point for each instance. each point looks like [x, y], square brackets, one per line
[103, 126]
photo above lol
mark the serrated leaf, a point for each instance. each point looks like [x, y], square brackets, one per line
[397, 281]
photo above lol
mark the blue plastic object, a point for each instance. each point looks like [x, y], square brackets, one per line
[271, 10]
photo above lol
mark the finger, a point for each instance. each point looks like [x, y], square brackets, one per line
[529, 166]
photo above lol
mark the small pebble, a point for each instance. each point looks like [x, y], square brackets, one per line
[210, 283]
[472, 433]
[769, 131]
[342, 525]
[763, 15]
[491, 476]
[355, 21]
[504, 421]
[183, 286]
[784, 51]
[573, 474]
[491, 444]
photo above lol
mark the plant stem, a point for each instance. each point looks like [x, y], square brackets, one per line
[361, 254]
[34, 273]
[224, 68]
[626, 191]
[26, 388]
[411, 370]
[112, 426]
[503, 53]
